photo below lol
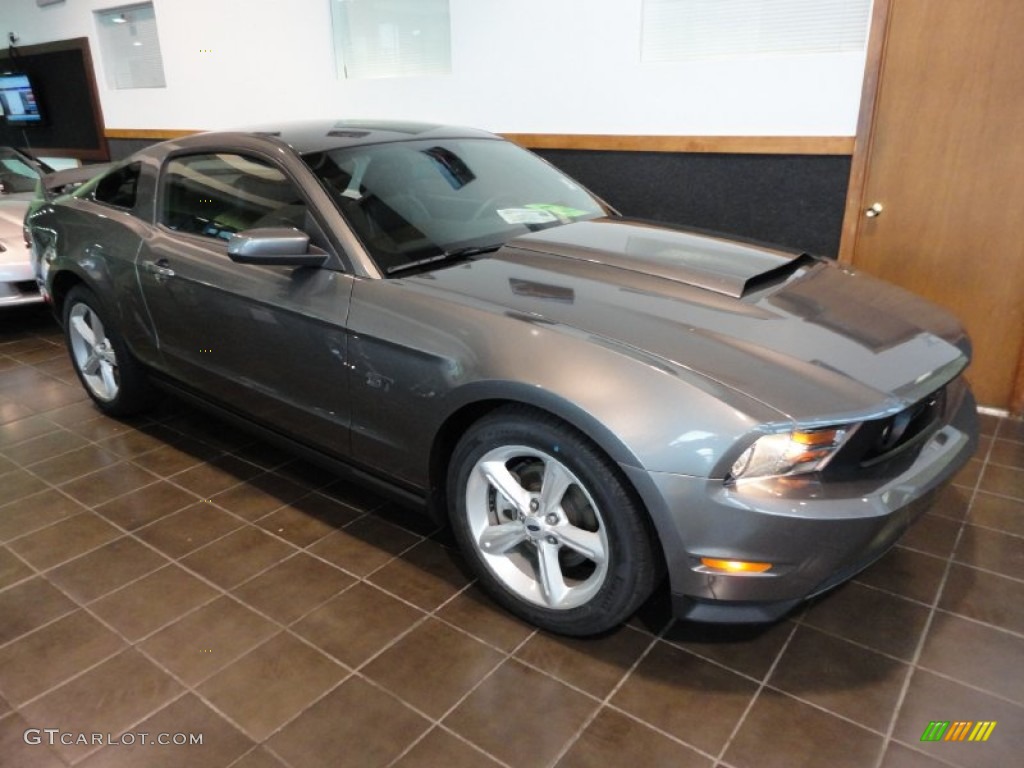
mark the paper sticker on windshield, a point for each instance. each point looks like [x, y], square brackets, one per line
[562, 212]
[526, 216]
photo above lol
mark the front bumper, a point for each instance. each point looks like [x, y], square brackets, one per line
[18, 285]
[816, 534]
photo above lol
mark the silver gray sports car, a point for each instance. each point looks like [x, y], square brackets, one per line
[592, 402]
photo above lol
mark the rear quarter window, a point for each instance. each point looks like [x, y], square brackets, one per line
[120, 187]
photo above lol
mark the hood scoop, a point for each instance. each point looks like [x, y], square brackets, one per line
[715, 264]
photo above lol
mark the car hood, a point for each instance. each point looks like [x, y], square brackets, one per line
[812, 340]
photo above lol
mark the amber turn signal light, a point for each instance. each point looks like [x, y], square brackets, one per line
[734, 566]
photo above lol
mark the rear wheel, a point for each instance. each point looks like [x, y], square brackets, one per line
[111, 376]
[548, 523]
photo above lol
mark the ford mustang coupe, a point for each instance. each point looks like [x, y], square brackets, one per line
[591, 402]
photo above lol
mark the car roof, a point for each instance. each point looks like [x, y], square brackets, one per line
[320, 135]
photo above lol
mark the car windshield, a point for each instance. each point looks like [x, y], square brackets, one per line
[411, 203]
[16, 174]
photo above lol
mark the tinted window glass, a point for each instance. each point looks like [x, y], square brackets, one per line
[412, 200]
[217, 195]
[119, 188]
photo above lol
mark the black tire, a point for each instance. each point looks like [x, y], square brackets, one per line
[112, 377]
[597, 512]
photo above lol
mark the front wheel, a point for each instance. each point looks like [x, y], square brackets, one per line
[111, 376]
[549, 524]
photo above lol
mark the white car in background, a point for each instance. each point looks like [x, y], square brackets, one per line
[19, 177]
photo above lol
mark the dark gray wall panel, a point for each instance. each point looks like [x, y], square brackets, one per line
[792, 200]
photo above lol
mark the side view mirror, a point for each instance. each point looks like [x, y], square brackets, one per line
[274, 246]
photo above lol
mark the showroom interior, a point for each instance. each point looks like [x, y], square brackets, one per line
[176, 574]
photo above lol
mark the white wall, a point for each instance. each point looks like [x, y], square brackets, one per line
[531, 66]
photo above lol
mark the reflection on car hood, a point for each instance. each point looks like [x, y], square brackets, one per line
[818, 342]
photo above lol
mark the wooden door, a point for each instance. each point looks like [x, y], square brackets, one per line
[940, 148]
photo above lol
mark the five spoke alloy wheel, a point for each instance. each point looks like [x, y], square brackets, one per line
[110, 374]
[92, 352]
[536, 527]
[549, 524]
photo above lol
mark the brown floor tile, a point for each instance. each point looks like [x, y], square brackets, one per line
[354, 726]
[308, 519]
[102, 428]
[260, 495]
[364, 546]
[108, 483]
[222, 743]
[50, 655]
[64, 540]
[899, 756]
[136, 442]
[45, 447]
[998, 512]
[18, 484]
[439, 747]
[991, 550]
[106, 569]
[24, 429]
[145, 505]
[17, 753]
[477, 614]
[271, 684]
[74, 463]
[933, 534]
[181, 455]
[850, 681]
[492, 715]
[930, 697]
[237, 557]
[213, 477]
[613, 740]
[34, 512]
[1004, 481]
[799, 735]
[594, 664]
[107, 699]
[951, 501]
[72, 414]
[688, 697]
[151, 602]
[984, 596]
[258, 758]
[12, 411]
[426, 575]
[747, 649]
[433, 667]
[293, 587]
[1011, 429]
[208, 639]
[977, 655]
[881, 621]
[1007, 453]
[911, 574]
[968, 476]
[48, 394]
[12, 570]
[6, 465]
[356, 624]
[189, 529]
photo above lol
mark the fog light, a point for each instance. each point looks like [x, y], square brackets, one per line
[734, 566]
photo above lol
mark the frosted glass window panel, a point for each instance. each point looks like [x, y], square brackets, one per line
[130, 47]
[391, 38]
[684, 30]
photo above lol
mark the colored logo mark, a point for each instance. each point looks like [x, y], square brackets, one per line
[958, 730]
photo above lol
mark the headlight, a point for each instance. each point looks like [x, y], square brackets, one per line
[790, 453]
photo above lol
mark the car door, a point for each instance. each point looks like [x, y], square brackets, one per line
[267, 341]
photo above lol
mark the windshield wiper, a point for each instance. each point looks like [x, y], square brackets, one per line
[456, 254]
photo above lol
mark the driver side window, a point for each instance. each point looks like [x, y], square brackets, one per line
[218, 194]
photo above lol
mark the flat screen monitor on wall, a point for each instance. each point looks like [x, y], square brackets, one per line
[19, 102]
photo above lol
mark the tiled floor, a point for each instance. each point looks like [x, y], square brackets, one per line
[173, 576]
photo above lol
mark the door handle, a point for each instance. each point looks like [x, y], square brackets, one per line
[159, 268]
[874, 211]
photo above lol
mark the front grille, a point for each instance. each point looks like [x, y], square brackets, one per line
[881, 443]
